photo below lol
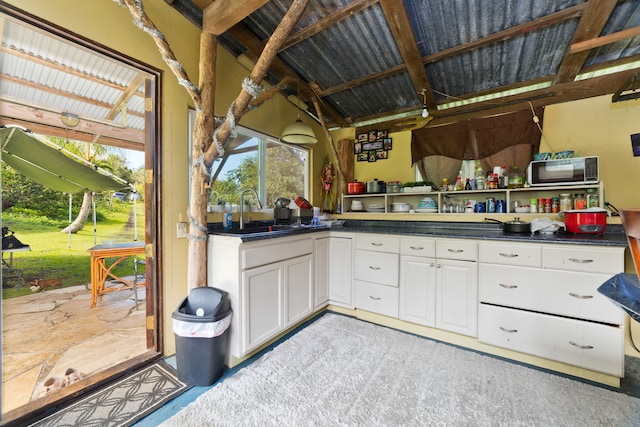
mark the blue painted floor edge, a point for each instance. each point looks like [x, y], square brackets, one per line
[175, 405]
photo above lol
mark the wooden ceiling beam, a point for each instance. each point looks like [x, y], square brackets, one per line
[14, 111]
[591, 24]
[559, 93]
[57, 92]
[399, 22]
[221, 15]
[601, 41]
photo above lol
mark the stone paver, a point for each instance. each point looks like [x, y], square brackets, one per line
[46, 333]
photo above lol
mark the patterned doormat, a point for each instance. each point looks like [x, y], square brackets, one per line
[123, 402]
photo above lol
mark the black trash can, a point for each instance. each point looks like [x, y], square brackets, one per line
[201, 327]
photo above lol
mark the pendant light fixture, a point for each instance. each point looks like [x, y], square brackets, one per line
[298, 132]
[425, 112]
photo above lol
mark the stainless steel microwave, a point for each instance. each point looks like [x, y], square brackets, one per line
[577, 170]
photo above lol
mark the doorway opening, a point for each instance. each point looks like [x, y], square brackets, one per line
[56, 342]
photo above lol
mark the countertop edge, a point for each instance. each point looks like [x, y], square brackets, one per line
[614, 235]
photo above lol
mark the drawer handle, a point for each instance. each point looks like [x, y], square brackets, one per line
[417, 248]
[502, 285]
[580, 296]
[509, 331]
[580, 261]
[456, 251]
[374, 268]
[376, 244]
[581, 347]
[508, 255]
[375, 298]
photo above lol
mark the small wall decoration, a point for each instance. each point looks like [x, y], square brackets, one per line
[372, 146]
[635, 144]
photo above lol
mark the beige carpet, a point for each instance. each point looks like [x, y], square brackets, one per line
[339, 371]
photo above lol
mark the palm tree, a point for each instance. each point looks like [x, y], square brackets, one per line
[92, 153]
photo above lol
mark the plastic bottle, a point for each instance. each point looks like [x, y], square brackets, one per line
[479, 177]
[459, 185]
[227, 220]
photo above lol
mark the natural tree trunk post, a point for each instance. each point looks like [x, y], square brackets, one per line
[202, 136]
[259, 72]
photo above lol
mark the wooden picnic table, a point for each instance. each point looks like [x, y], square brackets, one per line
[101, 270]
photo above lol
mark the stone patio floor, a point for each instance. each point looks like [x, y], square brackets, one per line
[45, 333]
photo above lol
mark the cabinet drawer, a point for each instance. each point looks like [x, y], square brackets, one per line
[585, 344]
[564, 293]
[466, 250]
[510, 254]
[415, 246]
[596, 259]
[377, 267]
[377, 298]
[378, 243]
[253, 256]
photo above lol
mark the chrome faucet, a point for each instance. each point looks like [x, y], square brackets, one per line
[242, 205]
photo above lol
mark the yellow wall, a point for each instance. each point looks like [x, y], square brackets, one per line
[598, 127]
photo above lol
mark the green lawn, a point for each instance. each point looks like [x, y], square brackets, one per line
[51, 256]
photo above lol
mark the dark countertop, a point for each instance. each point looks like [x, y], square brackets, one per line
[613, 236]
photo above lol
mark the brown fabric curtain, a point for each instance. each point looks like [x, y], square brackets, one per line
[479, 138]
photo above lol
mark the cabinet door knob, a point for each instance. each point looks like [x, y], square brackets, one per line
[580, 261]
[509, 331]
[581, 347]
[432, 264]
[374, 267]
[503, 285]
[580, 296]
[502, 254]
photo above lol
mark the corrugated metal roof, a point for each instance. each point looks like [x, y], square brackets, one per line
[42, 71]
[357, 65]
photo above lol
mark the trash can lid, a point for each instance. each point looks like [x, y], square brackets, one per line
[205, 301]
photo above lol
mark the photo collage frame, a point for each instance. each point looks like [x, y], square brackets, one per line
[373, 146]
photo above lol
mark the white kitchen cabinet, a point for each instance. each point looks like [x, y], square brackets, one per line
[439, 284]
[376, 268]
[298, 289]
[543, 300]
[457, 296]
[262, 308]
[418, 290]
[341, 270]
[270, 285]
[321, 254]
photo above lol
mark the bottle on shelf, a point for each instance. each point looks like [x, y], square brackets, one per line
[459, 185]
[479, 177]
[467, 185]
